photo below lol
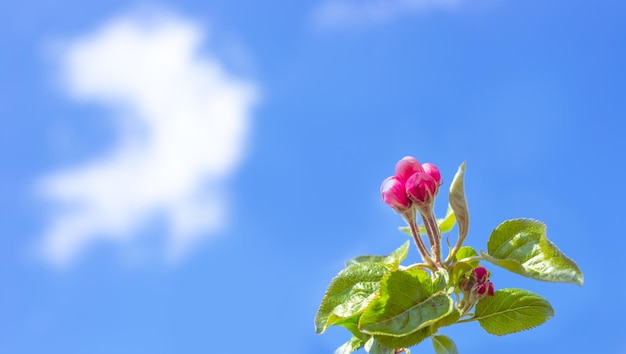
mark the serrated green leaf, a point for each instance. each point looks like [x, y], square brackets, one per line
[458, 203]
[393, 259]
[512, 310]
[444, 345]
[521, 246]
[373, 346]
[350, 346]
[349, 293]
[405, 304]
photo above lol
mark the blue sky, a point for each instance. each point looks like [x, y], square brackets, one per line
[187, 177]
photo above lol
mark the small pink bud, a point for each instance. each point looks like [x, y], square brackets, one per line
[394, 194]
[406, 167]
[421, 187]
[481, 274]
[490, 291]
[481, 289]
[433, 171]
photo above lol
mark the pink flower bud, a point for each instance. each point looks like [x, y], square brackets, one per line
[421, 187]
[394, 194]
[481, 289]
[481, 274]
[475, 285]
[406, 167]
[433, 171]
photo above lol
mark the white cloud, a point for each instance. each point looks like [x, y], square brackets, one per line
[351, 13]
[182, 121]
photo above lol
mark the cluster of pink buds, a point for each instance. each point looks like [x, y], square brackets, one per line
[412, 183]
[476, 285]
[414, 187]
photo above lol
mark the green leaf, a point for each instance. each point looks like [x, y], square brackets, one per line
[352, 325]
[512, 310]
[349, 293]
[444, 345]
[416, 337]
[404, 305]
[521, 246]
[375, 347]
[448, 320]
[465, 252]
[458, 203]
[406, 341]
[393, 259]
[350, 346]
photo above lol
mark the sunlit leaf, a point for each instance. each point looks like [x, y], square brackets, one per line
[418, 336]
[447, 320]
[512, 310]
[405, 341]
[404, 305]
[393, 259]
[521, 246]
[465, 252]
[349, 293]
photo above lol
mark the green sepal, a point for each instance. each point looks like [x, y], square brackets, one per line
[444, 345]
[512, 310]
[521, 246]
[405, 304]
[349, 293]
[393, 259]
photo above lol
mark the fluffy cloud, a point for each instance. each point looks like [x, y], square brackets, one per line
[349, 13]
[182, 121]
